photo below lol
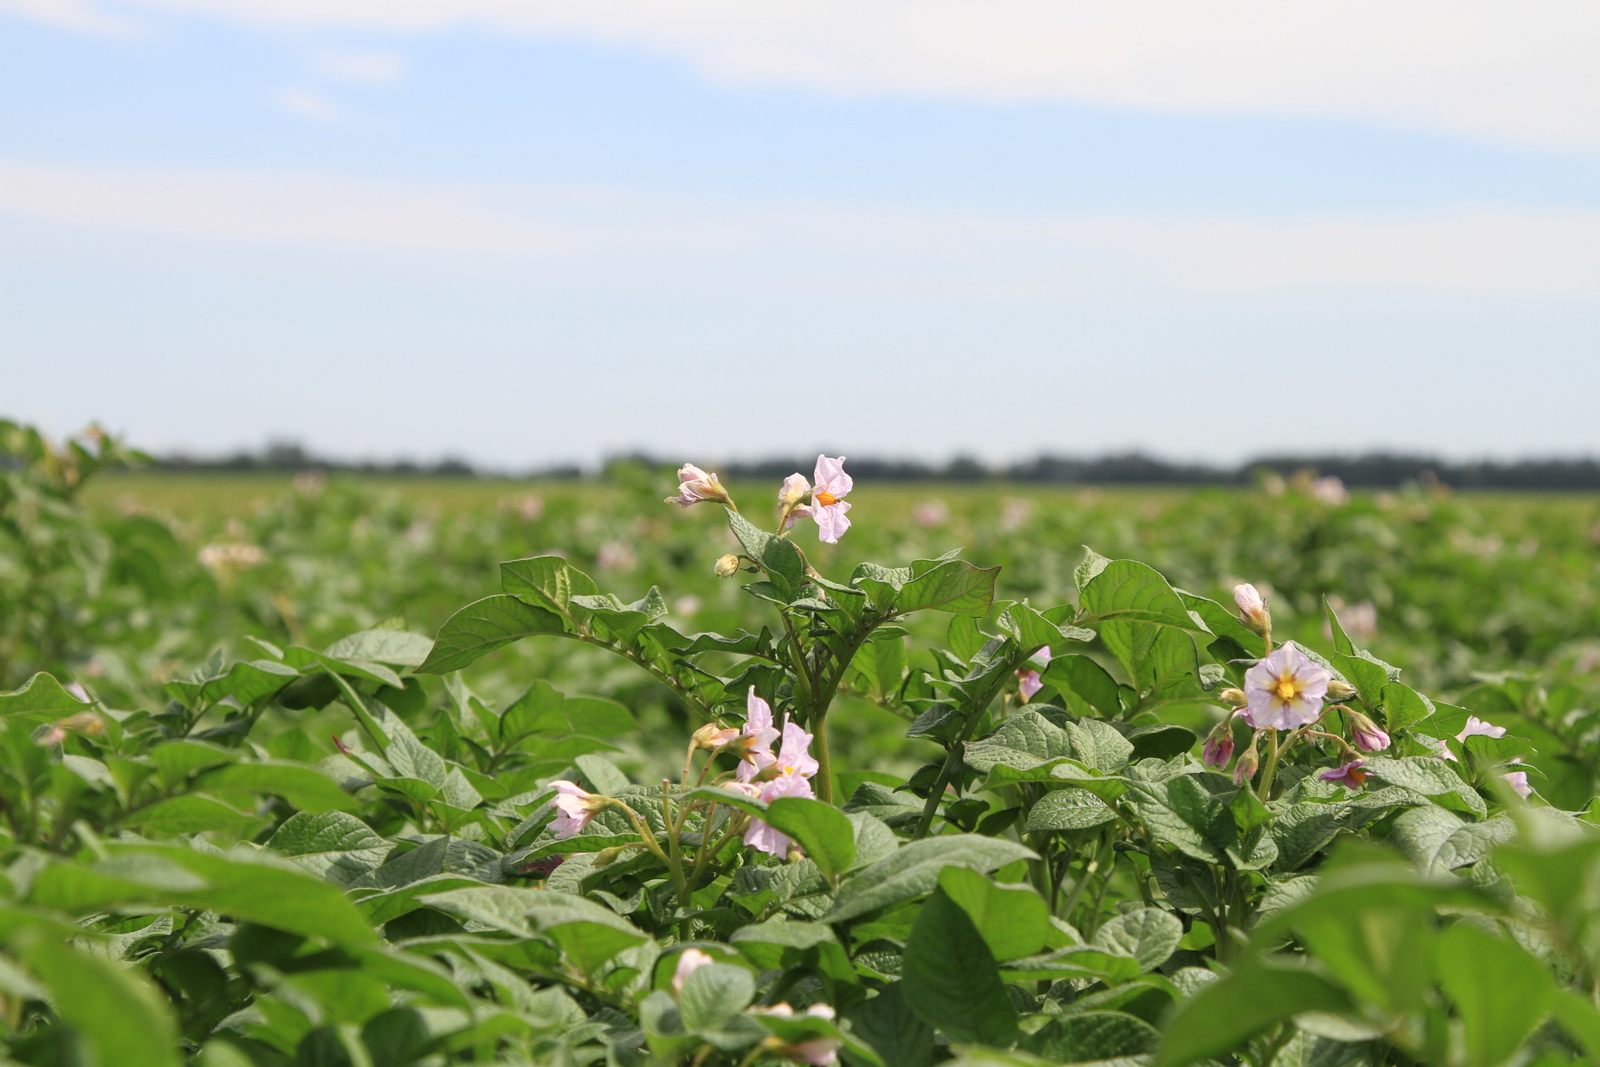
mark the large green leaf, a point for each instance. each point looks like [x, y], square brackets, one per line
[1500, 992]
[305, 787]
[1013, 920]
[546, 582]
[823, 831]
[1258, 994]
[1093, 1036]
[40, 695]
[116, 1011]
[914, 870]
[778, 556]
[1149, 935]
[951, 979]
[483, 626]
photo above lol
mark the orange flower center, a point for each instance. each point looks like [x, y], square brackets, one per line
[1288, 687]
[1356, 775]
[826, 499]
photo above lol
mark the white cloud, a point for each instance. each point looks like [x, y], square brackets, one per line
[309, 104]
[77, 15]
[370, 68]
[1522, 73]
[1488, 251]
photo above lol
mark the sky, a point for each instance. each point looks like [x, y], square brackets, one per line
[527, 232]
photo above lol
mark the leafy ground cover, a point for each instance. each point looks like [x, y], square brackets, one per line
[566, 774]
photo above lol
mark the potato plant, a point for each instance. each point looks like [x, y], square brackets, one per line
[1155, 832]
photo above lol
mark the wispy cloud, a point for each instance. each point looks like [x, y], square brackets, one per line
[309, 104]
[1521, 73]
[1489, 251]
[80, 16]
[369, 68]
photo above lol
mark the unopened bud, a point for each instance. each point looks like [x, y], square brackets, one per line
[713, 736]
[607, 856]
[1368, 735]
[726, 567]
[1234, 697]
[1252, 608]
[1339, 690]
[1218, 749]
[1245, 769]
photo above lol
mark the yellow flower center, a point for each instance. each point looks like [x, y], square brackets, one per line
[1288, 687]
[826, 499]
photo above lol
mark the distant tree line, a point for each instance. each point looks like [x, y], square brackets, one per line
[1375, 470]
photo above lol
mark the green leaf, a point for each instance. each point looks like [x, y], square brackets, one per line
[1430, 777]
[1224, 622]
[713, 994]
[305, 787]
[40, 695]
[951, 979]
[914, 870]
[1500, 992]
[1088, 568]
[249, 682]
[394, 647]
[1341, 642]
[115, 1010]
[257, 887]
[1082, 678]
[953, 585]
[1068, 809]
[1403, 706]
[1367, 675]
[823, 831]
[1090, 1036]
[780, 945]
[331, 845]
[1193, 813]
[778, 556]
[193, 813]
[1149, 935]
[548, 582]
[483, 626]
[1014, 921]
[1223, 1014]
[1439, 841]
[887, 1023]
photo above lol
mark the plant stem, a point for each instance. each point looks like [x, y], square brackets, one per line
[1270, 768]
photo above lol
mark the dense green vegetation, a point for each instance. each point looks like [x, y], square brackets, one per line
[279, 775]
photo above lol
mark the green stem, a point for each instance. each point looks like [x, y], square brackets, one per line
[1270, 768]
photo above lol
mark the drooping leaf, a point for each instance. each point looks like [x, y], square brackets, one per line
[951, 979]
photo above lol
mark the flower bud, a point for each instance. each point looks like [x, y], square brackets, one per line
[1245, 769]
[713, 736]
[696, 485]
[1368, 735]
[1234, 697]
[1252, 608]
[1218, 749]
[726, 567]
[1338, 690]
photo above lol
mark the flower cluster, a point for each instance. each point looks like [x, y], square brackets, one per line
[769, 776]
[824, 502]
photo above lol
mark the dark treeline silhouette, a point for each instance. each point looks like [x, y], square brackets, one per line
[1372, 471]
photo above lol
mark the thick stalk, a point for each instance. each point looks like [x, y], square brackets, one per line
[1270, 768]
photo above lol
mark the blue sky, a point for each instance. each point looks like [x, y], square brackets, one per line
[530, 232]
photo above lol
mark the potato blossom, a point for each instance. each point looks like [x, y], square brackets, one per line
[695, 485]
[1028, 680]
[828, 505]
[755, 750]
[1368, 735]
[1284, 690]
[575, 808]
[690, 960]
[1350, 775]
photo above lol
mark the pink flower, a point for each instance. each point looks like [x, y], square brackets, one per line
[795, 755]
[1029, 681]
[755, 751]
[764, 838]
[1350, 775]
[575, 808]
[1369, 736]
[695, 485]
[827, 504]
[1476, 726]
[1284, 691]
[1518, 780]
[689, 961]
